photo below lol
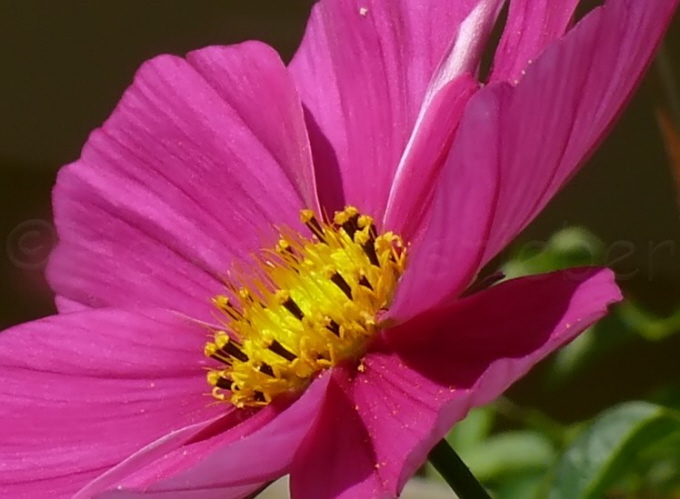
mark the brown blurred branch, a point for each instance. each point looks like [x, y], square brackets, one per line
[668, 114]
[669, 82]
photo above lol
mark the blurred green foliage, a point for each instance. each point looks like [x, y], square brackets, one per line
[629, 450]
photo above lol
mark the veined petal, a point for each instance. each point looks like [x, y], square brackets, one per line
[532, 25]
[451, 86]
[338, 448]
[181, 181]
[563, 105]
[516, 146]
[250, 78]
[425, 154]
[397, 417]
[444, 259]
[83, 391]
[445, 364]
[230, 464]
[363, 71]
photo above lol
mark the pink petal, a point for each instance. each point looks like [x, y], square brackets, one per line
[445, 364]
[337, 459]
[517, 146]
[398, 408]
[161, 459]
[445, 259]
[412, 191]
[231, 464]
[363, 71]
[183, 179]
[531, 26]
[564, 104]
[83, 391]
[265, 87]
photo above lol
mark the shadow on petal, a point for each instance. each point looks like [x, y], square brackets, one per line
[338, 448]
[519, 319]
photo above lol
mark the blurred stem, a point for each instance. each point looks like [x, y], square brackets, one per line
[664, 66]
[533, 418]
[454, 471]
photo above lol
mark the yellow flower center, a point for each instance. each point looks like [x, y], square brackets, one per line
[312, 303]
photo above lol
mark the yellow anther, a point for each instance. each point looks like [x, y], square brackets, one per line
[344, 216]
[281, 296]
[213, 377]
[283, 246]
[365, 221]
[221, 302]
[362, 237]
[221, 339]
[210, 350]
[306, 216]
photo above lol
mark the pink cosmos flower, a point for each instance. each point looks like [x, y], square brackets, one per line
[345, 351]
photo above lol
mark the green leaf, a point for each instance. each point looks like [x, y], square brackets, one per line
[607, 449]
[509, 453]
[467, 434]
[567, 361]
[569, 247]
[600, 340]
[525, 485]
[647, 324]
[472, 430]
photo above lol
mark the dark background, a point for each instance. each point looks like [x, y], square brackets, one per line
[66, 63]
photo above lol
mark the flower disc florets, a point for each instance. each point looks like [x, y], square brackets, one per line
[312, 304]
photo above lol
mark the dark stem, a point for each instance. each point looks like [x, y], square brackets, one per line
[455, 472]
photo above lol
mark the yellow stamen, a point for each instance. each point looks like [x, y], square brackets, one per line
[311, 303]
